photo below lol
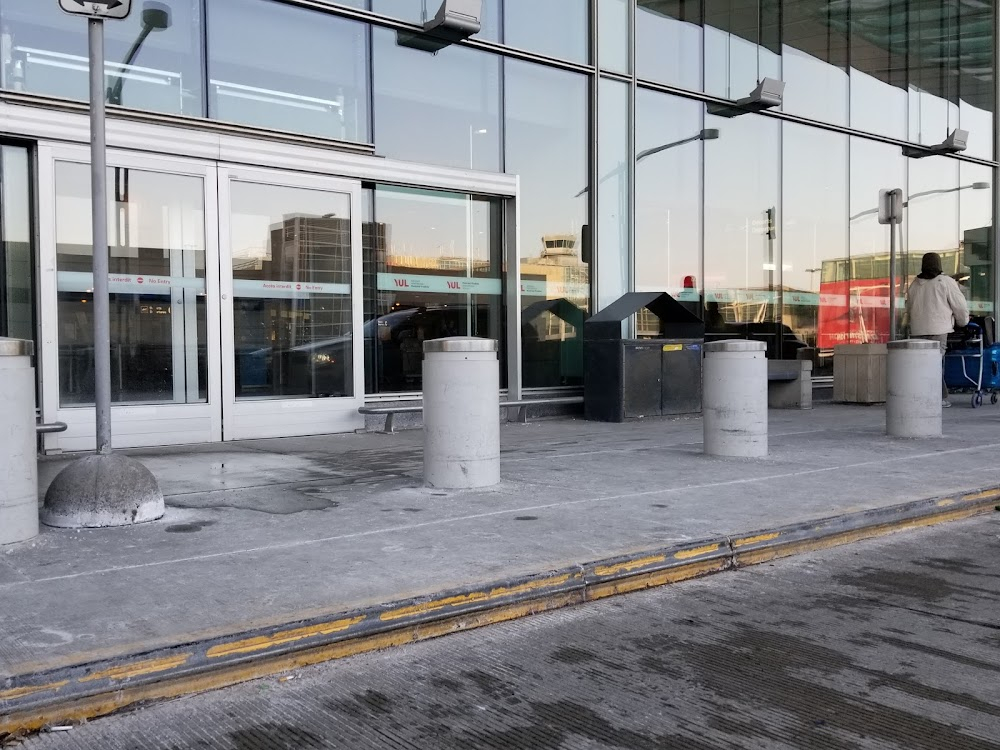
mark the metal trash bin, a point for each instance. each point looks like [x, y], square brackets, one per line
[643, 377]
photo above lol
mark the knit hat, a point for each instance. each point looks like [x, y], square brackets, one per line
[930, 266]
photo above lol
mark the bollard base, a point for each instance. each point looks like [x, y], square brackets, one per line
[102, 491]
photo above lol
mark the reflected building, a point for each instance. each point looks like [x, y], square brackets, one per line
[299, 198]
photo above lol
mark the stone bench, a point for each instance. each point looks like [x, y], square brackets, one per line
[789, 383]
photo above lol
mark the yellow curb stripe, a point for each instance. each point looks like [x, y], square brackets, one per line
[982, 495]
[150, 666]
[260, 643]
[476, 596]
[687, 554]
[6, 695]
[628, 567]
[756, 539]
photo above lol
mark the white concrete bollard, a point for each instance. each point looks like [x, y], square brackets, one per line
[913, 389]
[734, 393]
[461, 413]
[18, 452]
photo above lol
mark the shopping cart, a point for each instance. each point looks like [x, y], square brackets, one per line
[971, 365]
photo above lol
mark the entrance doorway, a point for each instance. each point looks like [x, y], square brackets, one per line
[246, 301]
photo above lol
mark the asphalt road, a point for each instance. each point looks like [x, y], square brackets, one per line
[891, 643]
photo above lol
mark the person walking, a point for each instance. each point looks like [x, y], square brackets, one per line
[935, 306]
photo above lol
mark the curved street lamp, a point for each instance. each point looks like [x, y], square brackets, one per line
[155, 17]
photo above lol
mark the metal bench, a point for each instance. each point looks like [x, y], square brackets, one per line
[522, 407]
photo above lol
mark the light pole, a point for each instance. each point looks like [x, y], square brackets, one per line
[105, 489]
[155, 17]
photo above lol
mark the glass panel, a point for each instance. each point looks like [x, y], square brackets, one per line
[976, 225]
[439, 109]
[814, 239]
[156, 233]
[814, 62]
[874, 166]
[437, 260]
[975, 76]
[547, 147]
[17, 302]
[931, 221]
[154, 57]
[741, 239]
[613, 39]
[668, 196]
[419, 11]
[878, 64]
[669, 42]
[741, 45]
[315, 82]
[612, 193]
[558, 28]
[292, 316]
[933, 62]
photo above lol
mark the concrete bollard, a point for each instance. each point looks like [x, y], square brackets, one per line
[19, 472]
[735, 399]
[913, 389]
[461, 413]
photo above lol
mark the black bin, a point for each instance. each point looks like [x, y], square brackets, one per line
[644, 377]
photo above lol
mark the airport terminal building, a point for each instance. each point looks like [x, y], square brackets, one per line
[303, 191]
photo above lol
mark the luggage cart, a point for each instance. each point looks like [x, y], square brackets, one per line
[970, 367]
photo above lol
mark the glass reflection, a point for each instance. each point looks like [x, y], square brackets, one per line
[613, 21]
[157, 286]
[557, 28]
[440, 109]
[741, 45]
[17, 300]
[292, 316]
[317, 84]
[874, 167]
[814, 239]
[613, 192]
[668, 195]
[976, 226]
[154, 57]
[668, 44]
[878, 65]
[435, 262]
[547, 147]
[813, 63]
[931, 220]
[742, 276]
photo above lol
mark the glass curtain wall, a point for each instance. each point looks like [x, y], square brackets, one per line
[153, 58]
[545, 124]
[17, 264]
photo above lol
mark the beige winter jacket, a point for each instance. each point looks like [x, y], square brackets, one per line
[935, 306]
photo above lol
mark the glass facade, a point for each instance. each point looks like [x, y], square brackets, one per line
[764, 223]
[17, 268]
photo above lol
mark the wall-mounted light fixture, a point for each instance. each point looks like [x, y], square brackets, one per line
[957, 140]
[767, 94]
[455, 20]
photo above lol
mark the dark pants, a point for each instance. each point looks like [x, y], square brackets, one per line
[942, 339]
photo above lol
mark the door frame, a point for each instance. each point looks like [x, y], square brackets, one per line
[141, 424]
[288, 417]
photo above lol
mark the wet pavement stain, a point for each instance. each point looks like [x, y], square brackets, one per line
[275, 737]
[571, 655]
[782, 671]
[525, 518]
[187, 528]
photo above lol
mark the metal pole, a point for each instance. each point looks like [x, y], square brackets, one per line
[892, 279]
[99, 190]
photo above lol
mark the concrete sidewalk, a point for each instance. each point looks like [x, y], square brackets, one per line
[263, 534]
